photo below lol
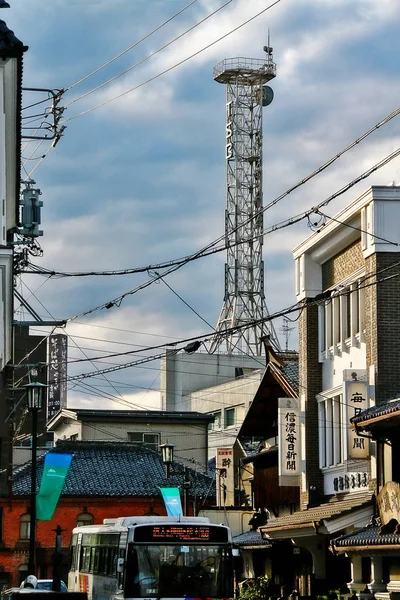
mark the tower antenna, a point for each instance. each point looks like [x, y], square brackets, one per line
[244, 298]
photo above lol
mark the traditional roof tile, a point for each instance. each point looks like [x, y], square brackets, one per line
[115, 469]
[365, 537]
[381, 410]
[327, 510]
[10, 46]
[249, 539]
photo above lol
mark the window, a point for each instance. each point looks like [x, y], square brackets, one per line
[22, 573]
[229, 417]
[24, 526]
[331, 435]
[84, 518]
[151, 440]
[216, 423]
[341, 319]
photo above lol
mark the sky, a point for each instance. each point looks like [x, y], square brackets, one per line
[138, 177]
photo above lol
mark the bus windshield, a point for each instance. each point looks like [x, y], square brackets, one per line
[173, 571]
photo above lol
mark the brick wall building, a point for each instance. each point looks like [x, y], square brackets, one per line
[106, 479]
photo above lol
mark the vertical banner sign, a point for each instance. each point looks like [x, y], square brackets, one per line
[57, 376]
[225, 477]
[172, 501]
[356, 399]
[289, 441]
[54, 473]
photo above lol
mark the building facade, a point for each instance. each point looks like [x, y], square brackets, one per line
[348, 290]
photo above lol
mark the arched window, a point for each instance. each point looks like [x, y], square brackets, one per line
[84, 518]
[24, 526]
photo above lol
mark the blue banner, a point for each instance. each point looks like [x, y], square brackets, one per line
[172, 501]
[54, 473]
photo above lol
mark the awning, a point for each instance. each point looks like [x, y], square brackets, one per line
[325, 518]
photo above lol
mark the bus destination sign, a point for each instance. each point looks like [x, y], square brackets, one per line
[180, 533]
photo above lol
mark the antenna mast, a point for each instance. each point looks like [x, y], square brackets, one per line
[244, 299]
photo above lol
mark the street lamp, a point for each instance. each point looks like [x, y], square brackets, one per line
[167, 453]
[35, 392]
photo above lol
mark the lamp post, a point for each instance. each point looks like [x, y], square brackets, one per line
[35, 391]
[167, 453]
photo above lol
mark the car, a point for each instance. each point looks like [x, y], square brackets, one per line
[47, 584]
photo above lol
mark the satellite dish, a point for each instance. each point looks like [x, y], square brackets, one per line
[267, 95]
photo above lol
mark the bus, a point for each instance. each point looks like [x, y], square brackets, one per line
[152, 557]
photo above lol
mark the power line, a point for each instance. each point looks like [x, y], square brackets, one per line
[207, 250]
[109, 62]
[173, 66]
[140, 62]
[166, 264]
[205, 337]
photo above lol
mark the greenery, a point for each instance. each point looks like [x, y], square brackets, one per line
[330, 595]
[254, 589]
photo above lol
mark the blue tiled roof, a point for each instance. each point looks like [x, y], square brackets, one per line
[380, 410]
[116, 469]
[366, 537]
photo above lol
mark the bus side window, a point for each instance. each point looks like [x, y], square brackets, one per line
[103, 561]
[113, 562]
[94, 565]
[85, 559]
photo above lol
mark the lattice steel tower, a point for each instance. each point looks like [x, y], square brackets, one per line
[244, 299]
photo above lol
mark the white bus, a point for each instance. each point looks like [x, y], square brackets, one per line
[152, 557]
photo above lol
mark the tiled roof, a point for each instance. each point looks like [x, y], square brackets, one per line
[10, 46]
[115, 469]
[366, 537]
[324, 511]
[380, 410]
[250, 539]
[138, 414]
[291, 371]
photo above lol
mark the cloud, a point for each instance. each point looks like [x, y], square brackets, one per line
[142, 180]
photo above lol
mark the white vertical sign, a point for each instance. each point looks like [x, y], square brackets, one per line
[356, 399]
[225, 477]
[289, 441]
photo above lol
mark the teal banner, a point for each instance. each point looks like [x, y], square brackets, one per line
[172, 501]
[54, 473]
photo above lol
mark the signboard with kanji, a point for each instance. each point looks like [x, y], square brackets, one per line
[389, 502]
[289, 441]
[225, 477]
[356, 400]
[57, 377]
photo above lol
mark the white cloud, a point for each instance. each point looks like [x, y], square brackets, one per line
[142, 180]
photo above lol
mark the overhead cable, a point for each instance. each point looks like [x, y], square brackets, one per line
[173, 66]
[41, 271]
[145, 37]
[143, 60]
[207, 250]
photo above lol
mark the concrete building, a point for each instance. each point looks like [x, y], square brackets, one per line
[220, 385]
